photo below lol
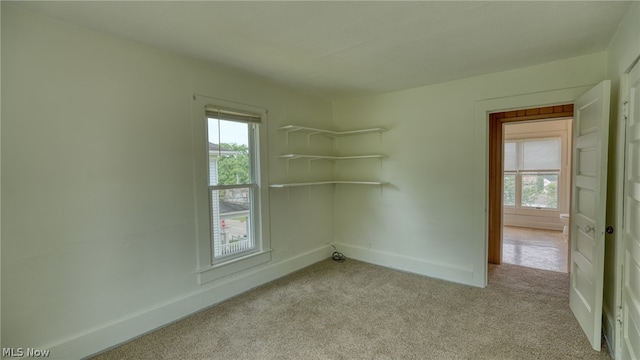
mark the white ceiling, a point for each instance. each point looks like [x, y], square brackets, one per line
[352, 48]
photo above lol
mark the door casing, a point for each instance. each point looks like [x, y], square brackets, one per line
[480, 156]
[626, 231]
[496, 138]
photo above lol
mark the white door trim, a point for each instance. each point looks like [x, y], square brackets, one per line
[620, 211]
[482, 108]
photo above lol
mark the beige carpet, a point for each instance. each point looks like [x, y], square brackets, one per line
[354, 310]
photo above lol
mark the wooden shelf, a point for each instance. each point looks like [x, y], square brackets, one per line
[326, 183]
[313, 131]
[324, 157]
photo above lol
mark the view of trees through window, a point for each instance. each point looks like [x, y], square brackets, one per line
[234, 168]
[509, 187]
[231, 186]
[540, 190]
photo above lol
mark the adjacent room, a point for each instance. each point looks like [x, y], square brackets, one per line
[186, 178]
[536, 193]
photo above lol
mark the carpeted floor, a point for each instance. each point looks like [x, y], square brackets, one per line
[355, 310]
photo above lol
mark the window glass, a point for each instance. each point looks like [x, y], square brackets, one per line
[228, 152]
[231, 223]
[232, 185]
[509, 188]
[531, 172]
[540, 190]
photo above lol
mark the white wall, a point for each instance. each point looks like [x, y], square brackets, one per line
[98, 242]
[431, 219]
[623, 50]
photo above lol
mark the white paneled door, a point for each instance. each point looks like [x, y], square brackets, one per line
[631, 224]
[588, 203]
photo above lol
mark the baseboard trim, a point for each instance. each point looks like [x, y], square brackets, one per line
[135, 325]
[534, 225]
[409, 264]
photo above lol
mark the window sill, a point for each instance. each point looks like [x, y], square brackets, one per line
[218, 271]
[531, 211]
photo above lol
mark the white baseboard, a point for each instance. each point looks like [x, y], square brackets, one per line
[122, 330]
[409, 264]
[536, 222]
[542, 226]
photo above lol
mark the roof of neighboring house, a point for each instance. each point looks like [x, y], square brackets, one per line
[229, 207]
[216, 147]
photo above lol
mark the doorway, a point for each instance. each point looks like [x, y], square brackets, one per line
[529, 187]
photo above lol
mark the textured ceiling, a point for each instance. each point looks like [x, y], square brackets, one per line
[353, 48]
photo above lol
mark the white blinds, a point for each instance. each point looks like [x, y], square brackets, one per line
[510, 156]
[233, 115]
[532, 154]
[541, 154]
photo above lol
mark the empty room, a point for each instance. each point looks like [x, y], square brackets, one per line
[318, 180]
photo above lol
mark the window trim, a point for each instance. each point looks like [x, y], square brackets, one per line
[252, 185]
[519, 172]
[563, 171]
[207, 269]
[519, 186]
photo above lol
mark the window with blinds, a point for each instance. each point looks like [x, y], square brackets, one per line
[531, 172]
[231, 176]
[233, 181]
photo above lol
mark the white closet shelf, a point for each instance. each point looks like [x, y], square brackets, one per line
[327, 182]
[330, 133]
[325, 157]
[312, 131]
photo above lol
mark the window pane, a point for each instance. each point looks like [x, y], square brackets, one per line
[231, 211]
[541, 154]
[540, 190]
[509, 190]
[228, 152]
[510, 156]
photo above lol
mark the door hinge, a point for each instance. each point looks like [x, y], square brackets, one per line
[619, 315]
[625, 109]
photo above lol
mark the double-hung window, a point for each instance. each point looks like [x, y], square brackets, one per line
[231, 147]
[229, 181]
[532, 173]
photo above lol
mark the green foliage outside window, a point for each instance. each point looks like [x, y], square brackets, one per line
[509, 197]
[234, 169]
[540, 190]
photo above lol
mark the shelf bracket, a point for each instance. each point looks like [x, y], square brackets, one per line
[310, 160]
[288, 132]
[309, 135]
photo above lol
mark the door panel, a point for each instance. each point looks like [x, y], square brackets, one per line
[590, 135]
[631, 224]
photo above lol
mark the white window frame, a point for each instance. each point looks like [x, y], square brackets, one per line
[210, 268]
[564, 179]
[520, 172]
[253, 188]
